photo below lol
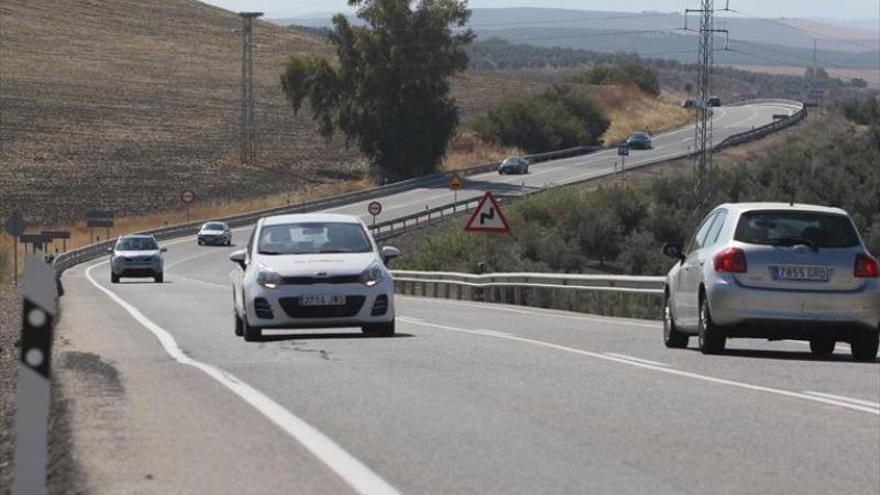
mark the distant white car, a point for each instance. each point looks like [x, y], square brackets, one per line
[215, 233]
[774, 271]
[312, 270]
[136, 256]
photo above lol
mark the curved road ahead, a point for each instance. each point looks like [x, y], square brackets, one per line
[469, 398]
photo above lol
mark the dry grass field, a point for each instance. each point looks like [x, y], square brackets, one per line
[120, 104]
[629, 109]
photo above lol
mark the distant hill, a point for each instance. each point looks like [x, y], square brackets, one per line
[753, 41]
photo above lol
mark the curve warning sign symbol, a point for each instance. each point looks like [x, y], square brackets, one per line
[487, 217]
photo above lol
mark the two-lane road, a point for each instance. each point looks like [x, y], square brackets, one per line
[468, 398]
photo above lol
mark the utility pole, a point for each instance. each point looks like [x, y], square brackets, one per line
[815, 92]
[703, 124]
[248, 130]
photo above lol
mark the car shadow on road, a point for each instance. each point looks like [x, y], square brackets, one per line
[275, 337]
[791, 356]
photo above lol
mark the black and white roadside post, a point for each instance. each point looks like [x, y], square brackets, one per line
[187, 196]
[622, 152]
[32, 395]
[374, 209]
[15, 227]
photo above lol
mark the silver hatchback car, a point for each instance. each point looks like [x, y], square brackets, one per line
[774, 271]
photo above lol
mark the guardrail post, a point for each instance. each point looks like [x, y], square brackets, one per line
[517, 295]
[446, 291]
[600, 303]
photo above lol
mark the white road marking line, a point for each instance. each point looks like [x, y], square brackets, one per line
[633, 358]
[671, 371]
[357, 475]
[202, 282]
[538, 312]
[492, 333]
[846, 399]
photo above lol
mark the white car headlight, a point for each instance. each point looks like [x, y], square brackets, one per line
[372, 275]
[268, 278]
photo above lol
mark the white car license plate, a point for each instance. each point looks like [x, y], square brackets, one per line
[802, 273]
[322, 300]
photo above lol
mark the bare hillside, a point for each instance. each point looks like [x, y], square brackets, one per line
[121, 103]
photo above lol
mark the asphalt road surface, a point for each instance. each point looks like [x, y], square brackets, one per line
[468, 398]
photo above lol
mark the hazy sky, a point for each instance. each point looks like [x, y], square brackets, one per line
[834, 9]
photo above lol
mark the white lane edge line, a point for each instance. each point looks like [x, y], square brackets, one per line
[638, 360]
[357, 475]
[671, 371]
[860, 402]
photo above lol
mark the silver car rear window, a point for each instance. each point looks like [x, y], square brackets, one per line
[787, 228]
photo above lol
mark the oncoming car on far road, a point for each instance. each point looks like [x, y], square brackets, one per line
[215, 233]
[774, 271]
[639, 140]
[311, 271]
[514, 165]
[138, 256]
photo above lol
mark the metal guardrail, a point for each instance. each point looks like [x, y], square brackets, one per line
[523, 288]
[759, 132]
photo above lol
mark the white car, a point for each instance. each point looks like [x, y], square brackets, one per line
[312, 270]
[774, 271]
[136, 256]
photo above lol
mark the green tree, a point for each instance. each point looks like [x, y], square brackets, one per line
[390, 91]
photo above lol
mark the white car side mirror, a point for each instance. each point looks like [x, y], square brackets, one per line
[239, 258]
[389, 253]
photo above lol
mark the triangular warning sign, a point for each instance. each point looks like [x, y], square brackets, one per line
[487, 217]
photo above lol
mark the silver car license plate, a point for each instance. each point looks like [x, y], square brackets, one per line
[801, 273]
[334, 300]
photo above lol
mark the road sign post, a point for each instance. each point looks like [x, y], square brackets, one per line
[622, 152]
[99, 219]
[455, 183]
[15, 226]
[374, 208]
[187, 196]
[487, 218]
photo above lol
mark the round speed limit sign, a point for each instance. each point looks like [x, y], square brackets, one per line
[187, 196]
[374, 208]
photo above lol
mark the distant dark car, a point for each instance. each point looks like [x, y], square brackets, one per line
[689, 103]
[215, 233]
[514, 165]
[713, 101]
[639, 141]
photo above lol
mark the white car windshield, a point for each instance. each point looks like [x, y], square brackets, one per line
[136, 244]
[214, 226]
[313, 238]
